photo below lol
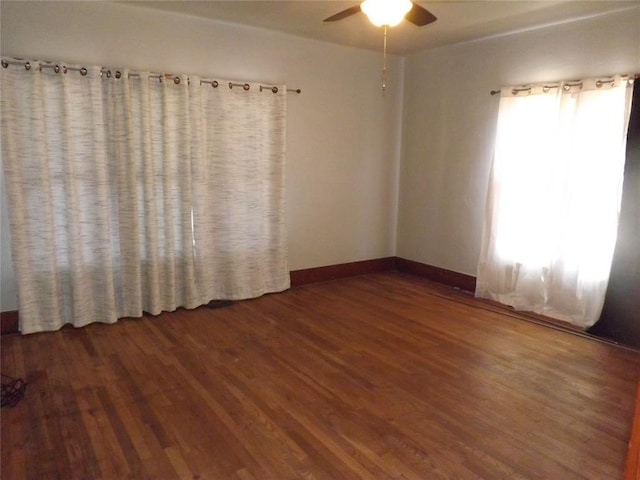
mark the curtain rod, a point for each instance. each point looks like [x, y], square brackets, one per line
[117, 74]
[566, 84]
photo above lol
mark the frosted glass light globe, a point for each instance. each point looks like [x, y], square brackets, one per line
[386, 12]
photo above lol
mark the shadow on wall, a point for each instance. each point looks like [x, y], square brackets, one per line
[620, 319]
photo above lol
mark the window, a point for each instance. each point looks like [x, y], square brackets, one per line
[554, 197]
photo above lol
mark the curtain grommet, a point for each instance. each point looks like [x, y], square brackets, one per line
[176, 80]
[118, 74]
[27, 66]
[214, 84]
[84, 71]
[245, 86]
[5, 64]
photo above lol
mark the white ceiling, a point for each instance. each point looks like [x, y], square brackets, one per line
[458, 20]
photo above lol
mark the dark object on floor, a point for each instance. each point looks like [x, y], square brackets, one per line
[219, 303]
[12, 390]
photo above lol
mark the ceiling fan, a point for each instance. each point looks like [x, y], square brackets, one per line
[387, 13]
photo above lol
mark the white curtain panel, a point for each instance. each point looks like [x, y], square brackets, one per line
[554, 198]
[129, 195]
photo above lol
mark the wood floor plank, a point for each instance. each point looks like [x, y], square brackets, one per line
[383, 376]
[632, 466]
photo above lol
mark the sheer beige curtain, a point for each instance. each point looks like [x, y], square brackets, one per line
[131, 193]
[554, 197]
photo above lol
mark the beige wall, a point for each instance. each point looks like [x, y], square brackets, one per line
[449, 123]
[343, 139]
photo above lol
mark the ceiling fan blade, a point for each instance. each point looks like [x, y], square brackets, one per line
[343, 14]
[420, 16]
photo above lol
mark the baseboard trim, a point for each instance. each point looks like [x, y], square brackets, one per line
[342, 270]
[9, 322]
[437, 274]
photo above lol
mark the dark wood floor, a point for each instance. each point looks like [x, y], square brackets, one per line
[382, 376]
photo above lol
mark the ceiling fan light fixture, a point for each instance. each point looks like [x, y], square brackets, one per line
[386, 12]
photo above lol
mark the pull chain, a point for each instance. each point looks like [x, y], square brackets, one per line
[384, 61]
